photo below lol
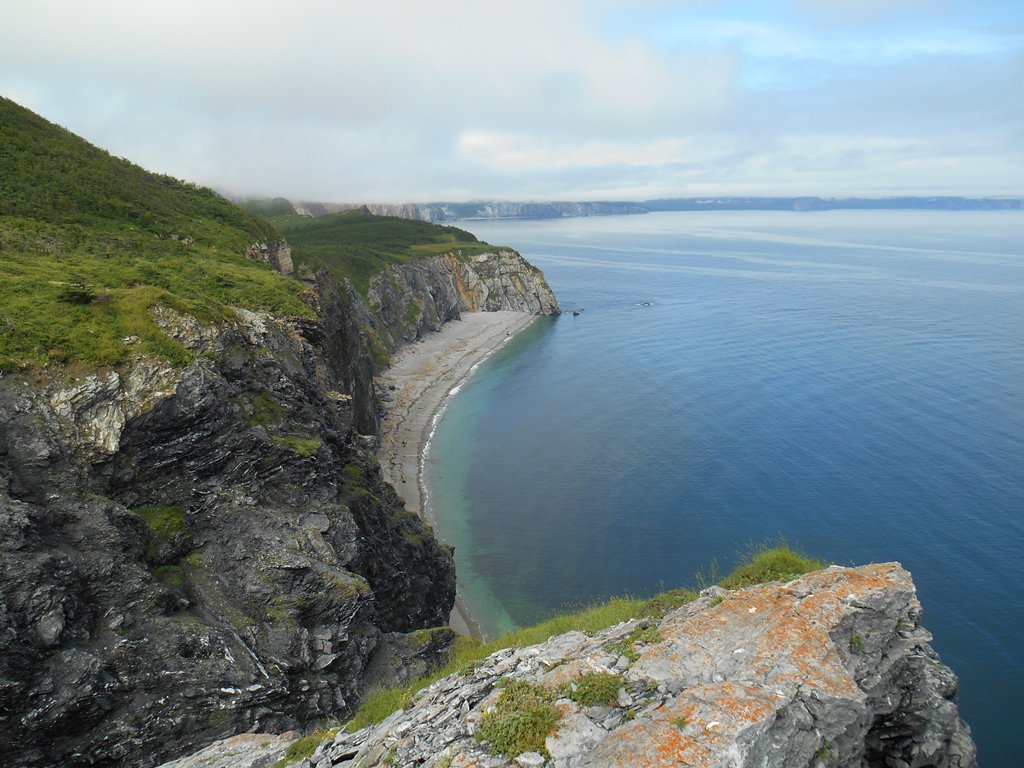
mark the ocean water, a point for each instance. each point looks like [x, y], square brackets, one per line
[851, 381]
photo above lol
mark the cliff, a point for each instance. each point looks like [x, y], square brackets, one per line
[409, 299]
[830, 669]
[187, 553]
[195, 538]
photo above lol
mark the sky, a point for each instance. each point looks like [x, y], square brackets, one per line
[455, 100]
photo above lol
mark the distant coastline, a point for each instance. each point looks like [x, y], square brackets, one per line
[446, 212]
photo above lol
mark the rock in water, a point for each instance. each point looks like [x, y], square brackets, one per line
[832, 669]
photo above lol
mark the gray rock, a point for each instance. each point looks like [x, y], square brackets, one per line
[530, 760]
[410, 299]
[767, 677]
[190, 553]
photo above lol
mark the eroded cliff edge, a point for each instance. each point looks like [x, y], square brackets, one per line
[831, 669]
[191, 552]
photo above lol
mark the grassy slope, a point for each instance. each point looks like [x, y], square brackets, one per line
[357, 245]
[87, 246]
[763, 564]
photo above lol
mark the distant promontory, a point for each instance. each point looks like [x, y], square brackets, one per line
[443, 212]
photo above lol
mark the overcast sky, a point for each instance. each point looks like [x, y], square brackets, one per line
[426, 100]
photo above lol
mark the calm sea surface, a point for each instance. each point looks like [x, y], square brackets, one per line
[851, 381]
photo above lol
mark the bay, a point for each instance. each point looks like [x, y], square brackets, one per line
[848, 380]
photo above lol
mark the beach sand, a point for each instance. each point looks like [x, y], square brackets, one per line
[414, 389]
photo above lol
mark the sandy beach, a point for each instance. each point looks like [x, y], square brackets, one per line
[414, 389]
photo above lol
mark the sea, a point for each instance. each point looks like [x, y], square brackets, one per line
[849, 381]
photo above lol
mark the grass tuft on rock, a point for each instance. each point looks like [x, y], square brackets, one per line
[305, 747]
[163, 521]
[594, 689]
[521, 720]
[767, 562]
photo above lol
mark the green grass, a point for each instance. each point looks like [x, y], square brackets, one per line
[91, 242]
[305, 746]
[303, 446]
[522, 718]
[356, 244]
[594, 689]
[265, 410]
[768, 562]
[163, 521]
[628, 646]
[171, 575]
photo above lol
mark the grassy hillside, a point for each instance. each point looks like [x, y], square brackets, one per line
[357, 244]
[88, 242]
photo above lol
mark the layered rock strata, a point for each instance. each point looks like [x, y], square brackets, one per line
[832, 669]
[413, 298]
[189, 553]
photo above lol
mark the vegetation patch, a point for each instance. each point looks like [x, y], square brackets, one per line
[522, 719]
[91, 242]
[594, 689]
[306, 746]
[265, 410]
[163, 522]
[172, 576]
[628, 646]
[357, 245]
[412, 313]
[303, 446]
[765, 563]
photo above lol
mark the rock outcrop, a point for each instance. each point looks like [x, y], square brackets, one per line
[190, 553]
[832, 669]
[409, 299]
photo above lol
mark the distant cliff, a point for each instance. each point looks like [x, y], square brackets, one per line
[420, 296]
[450, 211]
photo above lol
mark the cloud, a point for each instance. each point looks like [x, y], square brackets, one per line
[454, 99]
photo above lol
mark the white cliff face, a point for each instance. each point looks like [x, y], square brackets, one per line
[832, 669]
[409, 299]
[502, 281]
[92, 413]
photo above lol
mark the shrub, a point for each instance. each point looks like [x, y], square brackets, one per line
[594, 688]
[522, 718]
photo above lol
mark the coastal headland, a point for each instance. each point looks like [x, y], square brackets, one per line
[414, 390]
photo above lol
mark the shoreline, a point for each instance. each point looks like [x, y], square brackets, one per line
[415, 389]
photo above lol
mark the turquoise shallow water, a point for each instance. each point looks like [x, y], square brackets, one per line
[849, 380]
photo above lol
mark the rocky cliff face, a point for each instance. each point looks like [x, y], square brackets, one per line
[189, 553]
[832, 669]
[409, 299]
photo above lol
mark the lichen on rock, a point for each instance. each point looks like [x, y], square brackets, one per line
[770, 675]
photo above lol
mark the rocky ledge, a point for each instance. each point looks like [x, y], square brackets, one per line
[831, 669]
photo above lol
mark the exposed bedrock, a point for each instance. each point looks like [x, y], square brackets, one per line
[190, 553]
[832, 669]
[409, 299]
